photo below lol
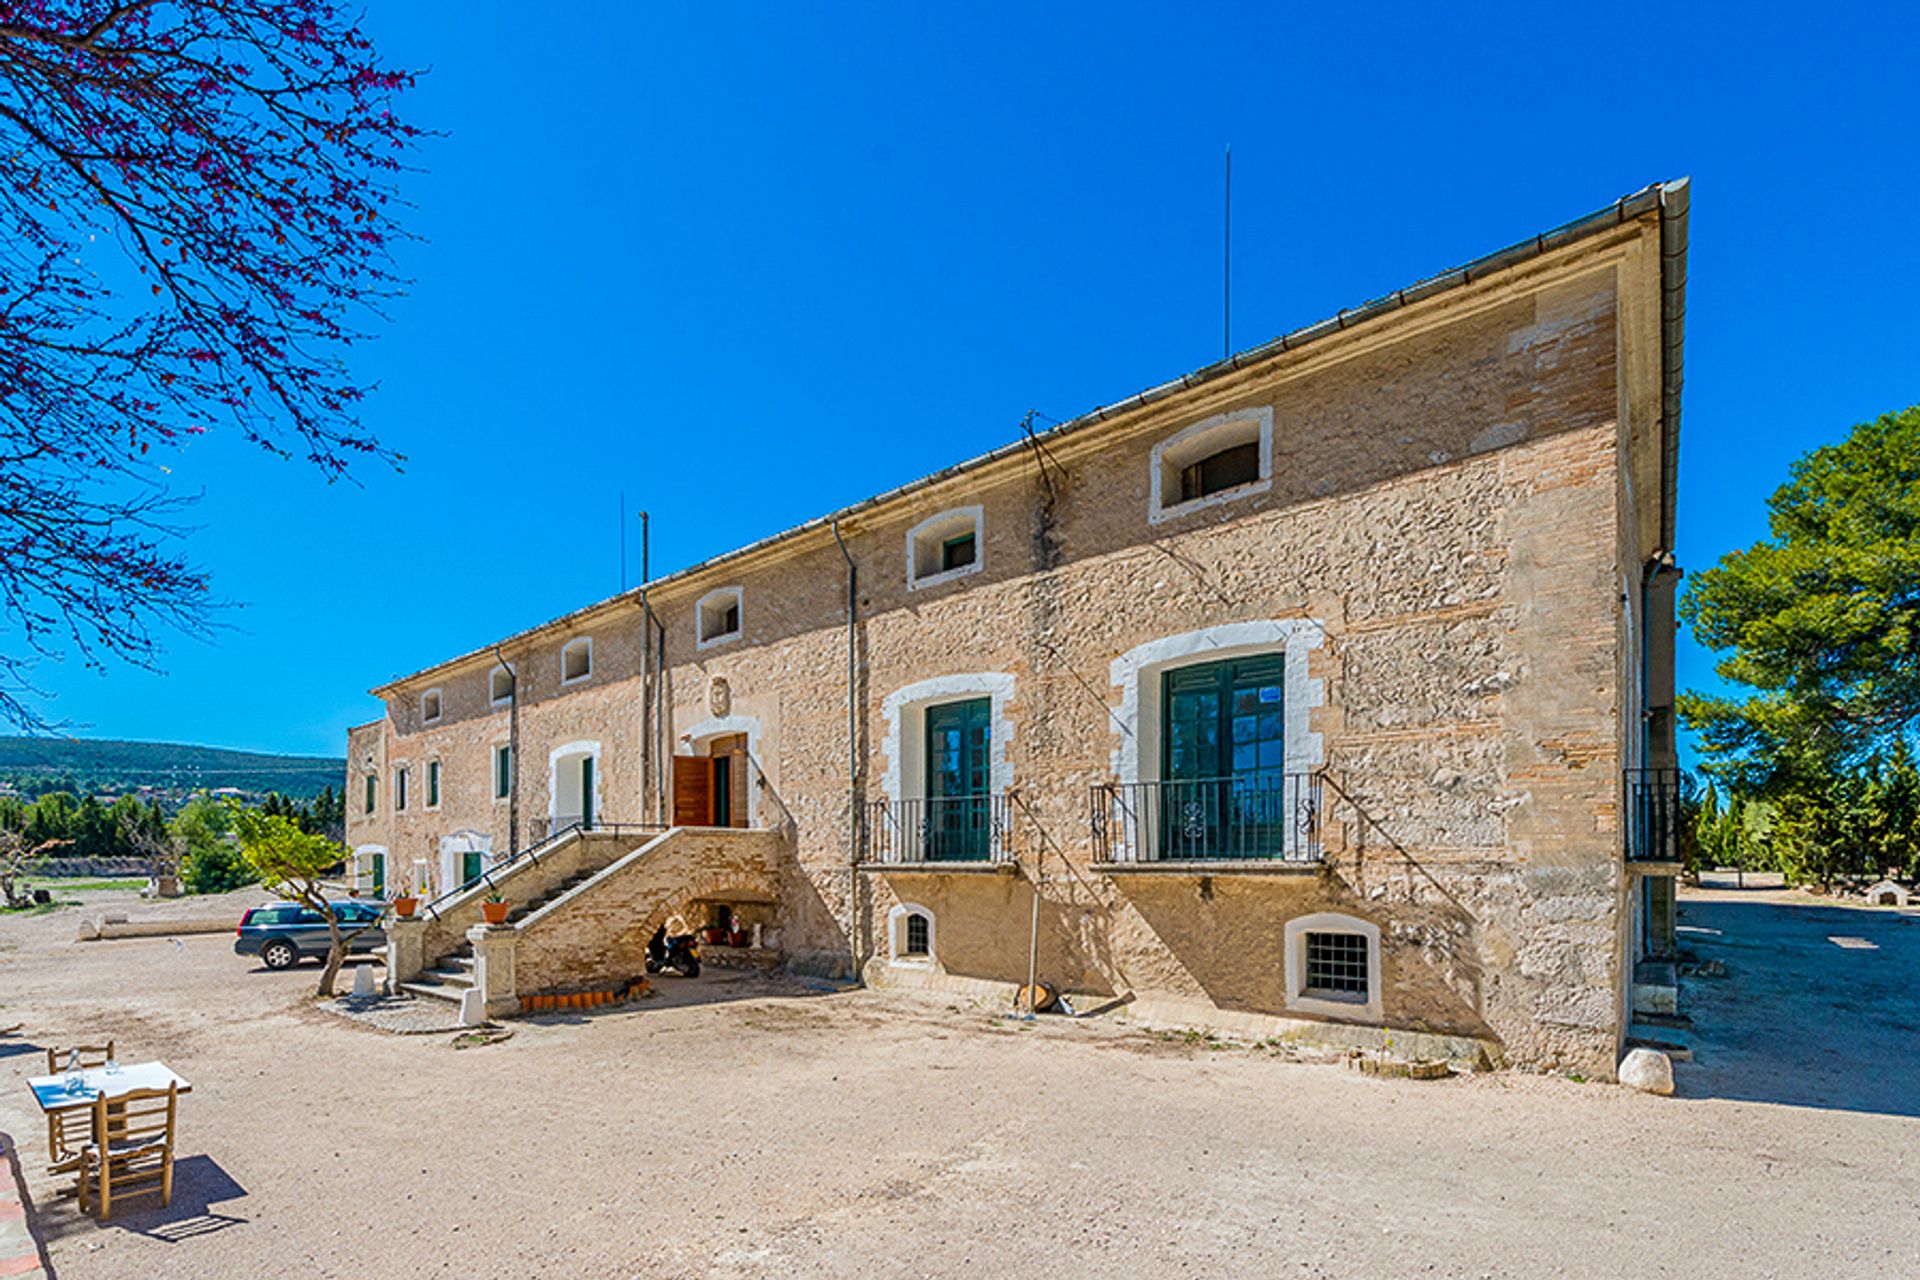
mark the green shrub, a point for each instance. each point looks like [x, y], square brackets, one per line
[216, 868]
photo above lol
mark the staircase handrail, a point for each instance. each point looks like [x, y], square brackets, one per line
[531, 854]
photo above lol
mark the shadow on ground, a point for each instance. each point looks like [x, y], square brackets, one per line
[199, 1183]
[1816, 1008]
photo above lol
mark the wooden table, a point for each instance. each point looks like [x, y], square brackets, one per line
[55, 1098]
[52, 1094]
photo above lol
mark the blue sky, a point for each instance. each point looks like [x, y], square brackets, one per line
[861, 242]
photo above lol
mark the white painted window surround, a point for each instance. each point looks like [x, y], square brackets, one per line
[1298, 1000]
[710, 613]
[1201, 440]
[563, 783]
[500, 686]
[905, 746]
[576, 660]
[430, 706]
[925, 540]
[897, 937]
[1136, 673]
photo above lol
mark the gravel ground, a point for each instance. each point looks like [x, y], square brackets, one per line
[741, 1126]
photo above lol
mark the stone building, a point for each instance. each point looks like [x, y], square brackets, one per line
[1325, 691]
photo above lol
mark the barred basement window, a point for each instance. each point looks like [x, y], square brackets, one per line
[1337, 966]
[916, 935]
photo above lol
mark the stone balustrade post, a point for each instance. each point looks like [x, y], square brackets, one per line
[406, 950]
[493, 970]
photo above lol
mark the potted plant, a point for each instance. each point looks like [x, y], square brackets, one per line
[494, 907]
[405, 901]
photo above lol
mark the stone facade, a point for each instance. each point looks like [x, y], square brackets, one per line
[1445, 548]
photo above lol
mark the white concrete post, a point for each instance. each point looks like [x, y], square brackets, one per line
[493, 975]
[406, 951]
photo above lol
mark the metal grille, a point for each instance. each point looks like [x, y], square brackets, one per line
[1337, 964]
[1652, 812]
[944, 829]
[1267, 816]
[917, 935]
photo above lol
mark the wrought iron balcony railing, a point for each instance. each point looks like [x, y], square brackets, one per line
[1650, 811]
[1272, 817]
[943, 829]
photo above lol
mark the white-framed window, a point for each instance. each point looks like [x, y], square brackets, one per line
[433, 784]
[945, 547]
[576, 660]
[1333, 966]
[373, 792]
[1220, 459]
[430, 707]
[910, 935]
[400, 789]
[717, 617]
[502, 771]
[500, 686]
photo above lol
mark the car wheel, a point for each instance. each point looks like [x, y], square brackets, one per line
[279, 955]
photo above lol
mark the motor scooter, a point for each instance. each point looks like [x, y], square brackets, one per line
[677, 951]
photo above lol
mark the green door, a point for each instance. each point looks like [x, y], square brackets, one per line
[470, 866]
[958, 801]
[586, 792]
[379, 874]
[1223, 760]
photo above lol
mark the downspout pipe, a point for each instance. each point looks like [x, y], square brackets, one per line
[646, 708]
[513, 753]
[853, 757]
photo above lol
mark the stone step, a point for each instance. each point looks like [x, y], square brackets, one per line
[448, 975]
[450, 992]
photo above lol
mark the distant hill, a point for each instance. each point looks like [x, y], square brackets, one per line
[100, 764]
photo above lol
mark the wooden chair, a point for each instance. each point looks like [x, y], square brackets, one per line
[132, 1150]
[69, 1130]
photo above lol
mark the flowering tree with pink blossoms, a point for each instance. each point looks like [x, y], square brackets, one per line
[196, 217]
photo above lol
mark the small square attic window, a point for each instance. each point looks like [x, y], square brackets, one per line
[718, 616]
[944, 547]
[1222, 459]
[576, 660]
[430, 707]
[500, 686]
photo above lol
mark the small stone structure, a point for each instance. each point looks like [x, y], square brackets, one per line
[1889, 893]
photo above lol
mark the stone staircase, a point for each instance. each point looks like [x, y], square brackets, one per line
[452, 977]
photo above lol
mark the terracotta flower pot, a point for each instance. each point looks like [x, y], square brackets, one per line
[495, 912]
[405, 907]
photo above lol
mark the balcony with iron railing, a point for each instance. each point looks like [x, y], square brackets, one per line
[1650, 815]
[956, 833]
[1269, 821]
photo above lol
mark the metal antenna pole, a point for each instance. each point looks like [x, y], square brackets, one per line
[1226, 319]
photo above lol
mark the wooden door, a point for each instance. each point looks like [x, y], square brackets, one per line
[692, 791]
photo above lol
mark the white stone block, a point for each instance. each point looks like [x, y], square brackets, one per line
[473, 1008]
[1647, 1070]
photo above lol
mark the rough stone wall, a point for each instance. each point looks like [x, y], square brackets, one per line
[598, 936]
[1444, 510]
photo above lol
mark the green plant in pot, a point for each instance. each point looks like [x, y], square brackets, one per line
[494, 907]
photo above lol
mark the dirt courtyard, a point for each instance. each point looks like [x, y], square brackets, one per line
[744, 1128]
